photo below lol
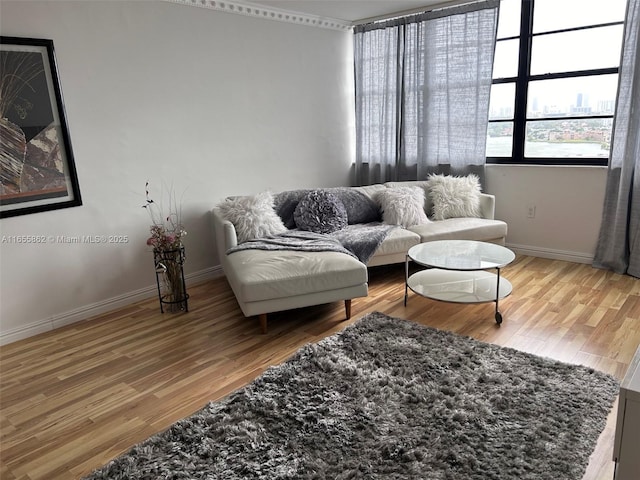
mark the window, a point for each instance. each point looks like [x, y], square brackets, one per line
[555, 78]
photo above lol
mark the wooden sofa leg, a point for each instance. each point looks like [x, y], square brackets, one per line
[347, 308]
[263, 322]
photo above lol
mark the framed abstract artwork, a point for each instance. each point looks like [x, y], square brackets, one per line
[37, 169]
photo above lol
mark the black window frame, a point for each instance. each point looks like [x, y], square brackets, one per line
[522, 81]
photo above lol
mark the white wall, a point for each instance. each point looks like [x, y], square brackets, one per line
[568, 205]
[213, 103]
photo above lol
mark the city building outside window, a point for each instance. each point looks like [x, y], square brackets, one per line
[555, 81]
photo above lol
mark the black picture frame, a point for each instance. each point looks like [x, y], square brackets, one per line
[37, 168]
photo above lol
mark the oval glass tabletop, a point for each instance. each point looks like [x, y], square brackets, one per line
[461, 255]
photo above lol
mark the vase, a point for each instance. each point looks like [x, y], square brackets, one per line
[172, 290]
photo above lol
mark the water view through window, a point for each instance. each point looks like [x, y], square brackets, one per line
[585, 138]
[501, 147]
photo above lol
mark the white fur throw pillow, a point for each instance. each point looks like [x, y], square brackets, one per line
[252, 216]
[403, 206]
[454, 197]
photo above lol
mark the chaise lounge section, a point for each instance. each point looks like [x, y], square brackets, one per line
[271, 281]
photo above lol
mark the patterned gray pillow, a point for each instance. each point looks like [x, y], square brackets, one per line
[320, 212]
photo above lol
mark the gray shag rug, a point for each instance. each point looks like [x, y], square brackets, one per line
[389, 399]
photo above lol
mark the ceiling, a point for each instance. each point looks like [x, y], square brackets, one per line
[348, 10]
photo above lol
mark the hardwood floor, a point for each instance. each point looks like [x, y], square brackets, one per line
[72, 399]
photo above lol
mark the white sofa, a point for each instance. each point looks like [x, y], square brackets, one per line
[266, 281]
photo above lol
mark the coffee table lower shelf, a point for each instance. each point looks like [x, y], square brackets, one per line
[476, 286]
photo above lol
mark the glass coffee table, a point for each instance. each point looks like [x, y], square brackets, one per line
[456, 271]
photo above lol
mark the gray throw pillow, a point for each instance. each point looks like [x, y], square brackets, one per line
[360, 208]
[285, 204]
[320, 212]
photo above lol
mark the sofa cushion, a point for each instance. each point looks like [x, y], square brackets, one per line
[461, 229]
[454, 197]
[403, 206]
[252, 216]
[258, 275]
[399, 240]
[320, 211]
[285, 203]
[370, 191]
[361, 208]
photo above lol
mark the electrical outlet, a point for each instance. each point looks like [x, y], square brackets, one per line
[531, 211]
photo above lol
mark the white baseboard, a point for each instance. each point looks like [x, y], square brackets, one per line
[553, 254]
[98, 308]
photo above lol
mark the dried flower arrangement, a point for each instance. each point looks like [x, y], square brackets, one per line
[166, 231]
[166, 237]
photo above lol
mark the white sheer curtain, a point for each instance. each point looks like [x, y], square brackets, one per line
[378, 76]
[422, 93]
[619, 240]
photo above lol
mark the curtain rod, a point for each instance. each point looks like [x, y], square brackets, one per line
[412, 11]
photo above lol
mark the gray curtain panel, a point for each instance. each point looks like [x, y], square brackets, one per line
[422, 93]
[618, 246]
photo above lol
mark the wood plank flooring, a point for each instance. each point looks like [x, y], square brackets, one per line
[72, 399]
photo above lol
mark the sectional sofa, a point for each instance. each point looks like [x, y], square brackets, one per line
[278, 256]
